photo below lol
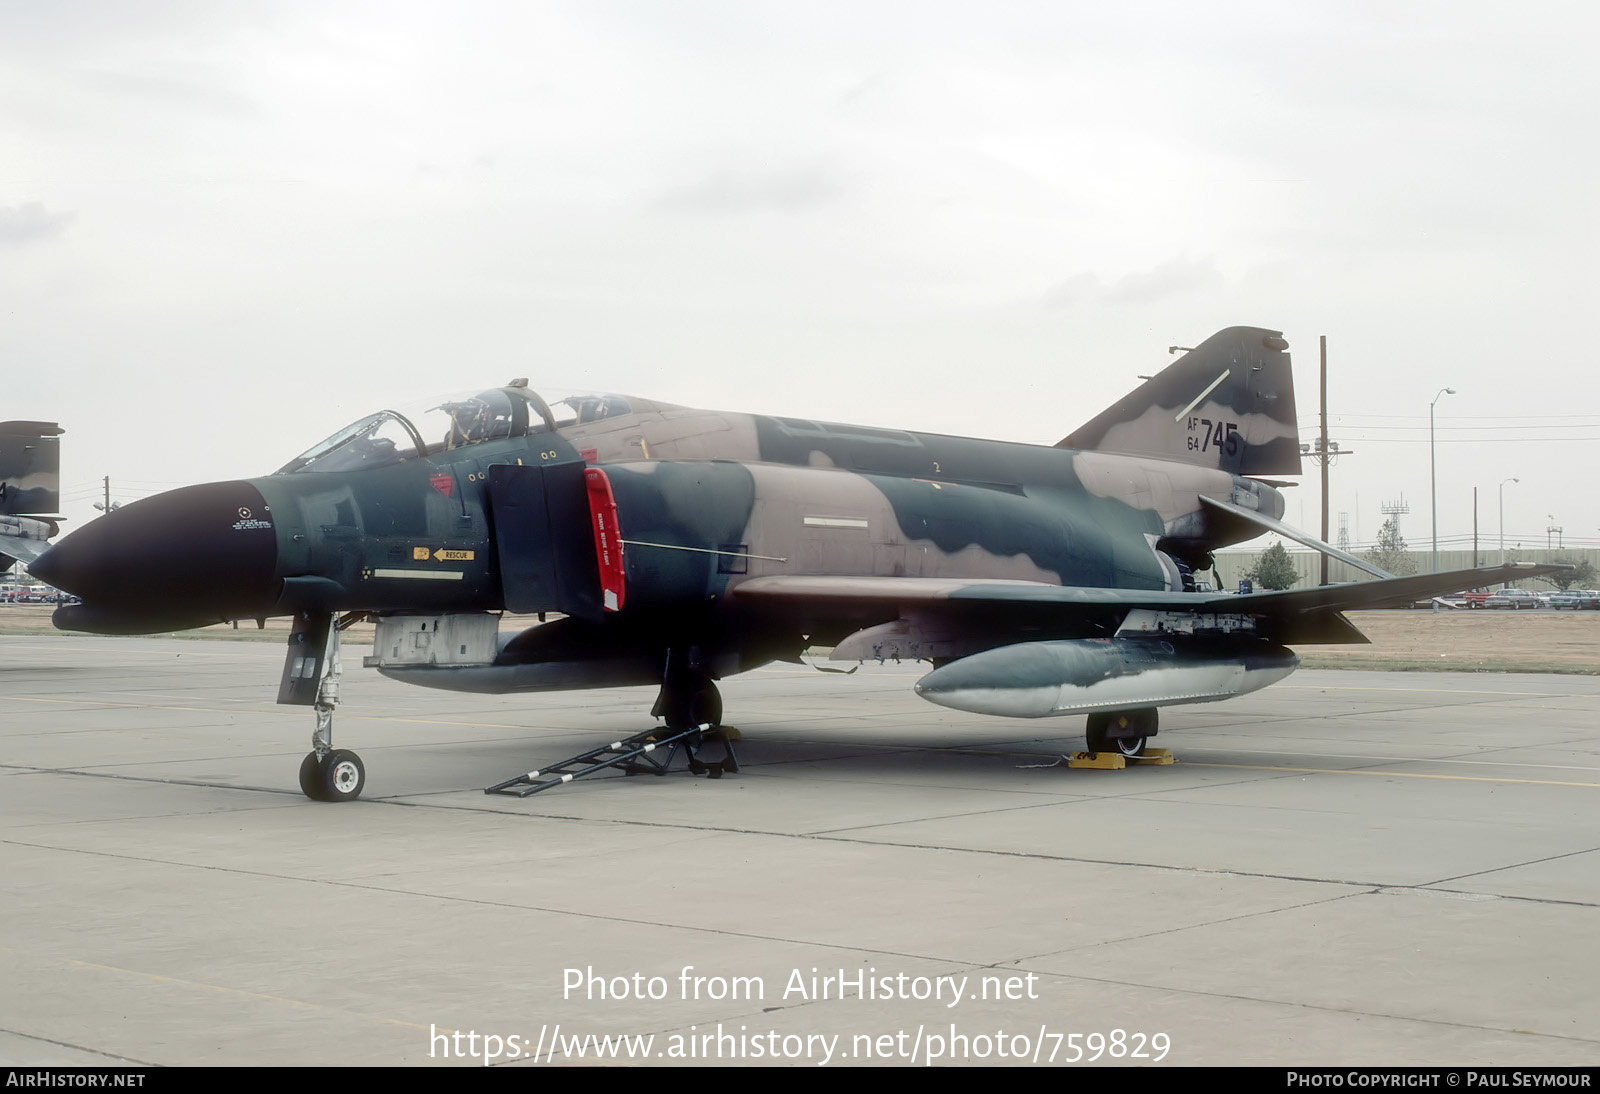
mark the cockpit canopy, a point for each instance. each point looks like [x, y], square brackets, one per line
[390, 436]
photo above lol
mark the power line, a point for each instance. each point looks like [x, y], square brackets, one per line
[1459, 428]
[1478, 440]
[1453, 417]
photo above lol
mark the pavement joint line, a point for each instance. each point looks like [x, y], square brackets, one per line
[1425, 691]
[1069, 797]
[944, 848]
[1375, 773]
[1056, 797]
[1326, 1008]
[76, 1048]
[1354, 891]
[631, 921]
[1515, 866]
[201, 984]
[936, 817]
[1407, 759]
[265, 711]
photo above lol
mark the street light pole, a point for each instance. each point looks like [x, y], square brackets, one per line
[1433, 475]
[1503, 518]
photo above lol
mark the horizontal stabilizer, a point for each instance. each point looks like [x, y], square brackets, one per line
[1393, 591]
[1267, 523]
[23, 538]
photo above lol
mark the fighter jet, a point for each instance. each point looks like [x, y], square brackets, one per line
[669, 546]
[30, 489]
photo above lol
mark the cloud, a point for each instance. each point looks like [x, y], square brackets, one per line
[1174, 278]
[786, 191]
[1168, 279]
[1074, 290]
[31, 223]
[202, 90]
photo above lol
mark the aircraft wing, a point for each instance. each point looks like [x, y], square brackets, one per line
[1309, 616]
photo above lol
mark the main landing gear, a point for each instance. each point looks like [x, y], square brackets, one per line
[311, 675]
[692, 709]
[689, 700]
[1124, 732]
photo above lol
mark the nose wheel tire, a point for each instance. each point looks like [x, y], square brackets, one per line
[338, 776]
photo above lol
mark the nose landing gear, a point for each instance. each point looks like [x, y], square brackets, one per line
[311, 675]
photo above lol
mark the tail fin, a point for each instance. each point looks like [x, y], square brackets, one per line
[1227, 403]
[30, 468]
[30, 487]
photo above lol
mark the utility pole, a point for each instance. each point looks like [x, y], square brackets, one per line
[1503, 517]
[107, 505]
[1323, 446]
[1324, 452]
[1433, 477]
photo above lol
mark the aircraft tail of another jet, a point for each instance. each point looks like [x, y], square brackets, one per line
[30, 469]
[1227, 403]
[30, 488]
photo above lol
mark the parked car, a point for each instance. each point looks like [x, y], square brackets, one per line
[1513, 598]
[1576, 599]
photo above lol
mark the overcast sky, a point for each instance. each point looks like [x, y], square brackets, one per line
[227, 229]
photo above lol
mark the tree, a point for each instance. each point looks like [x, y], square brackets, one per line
[1274, 569]
[1391, 553]
[1581, 575]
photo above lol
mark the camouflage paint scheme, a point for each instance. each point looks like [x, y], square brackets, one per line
[683, 545]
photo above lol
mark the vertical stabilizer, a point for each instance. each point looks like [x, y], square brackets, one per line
[30, 487]
[1228, 403]
[30, 469]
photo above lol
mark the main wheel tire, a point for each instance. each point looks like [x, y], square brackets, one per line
[693, 703]
[1128, 746]
[1094, 733]
[311, 778]
[1101, 733]
[343, 776]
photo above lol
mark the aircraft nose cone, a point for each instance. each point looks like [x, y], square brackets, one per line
[200, 552]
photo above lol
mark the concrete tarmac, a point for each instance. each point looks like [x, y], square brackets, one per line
[1347, 868]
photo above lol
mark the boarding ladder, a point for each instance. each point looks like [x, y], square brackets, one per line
[632, 756]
